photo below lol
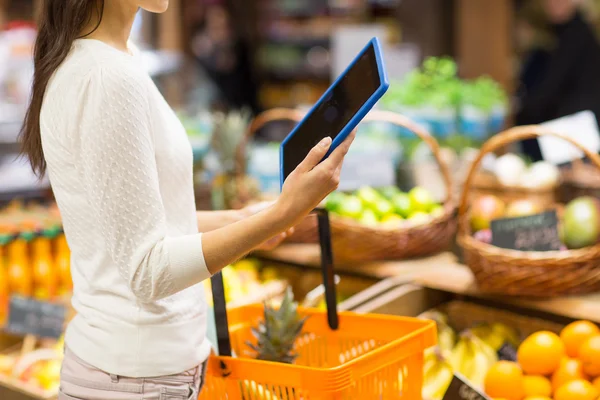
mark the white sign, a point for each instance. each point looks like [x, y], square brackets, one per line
[581, 127]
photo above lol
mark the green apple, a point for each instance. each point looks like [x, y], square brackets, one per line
[351, 207]
[420, 199]
[382, 208]
[392, 220]
[368, 196]
[334, 201]
[419, 217]
[389, 192]
[401, 203]
[369, 217]
[437, 211]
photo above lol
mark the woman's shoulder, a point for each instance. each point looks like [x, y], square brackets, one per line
[85, 70]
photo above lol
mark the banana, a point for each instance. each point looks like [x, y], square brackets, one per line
[486, 334]
[509, 334]
[437, 375]
[446, 338]
[496, 335]
[473, 358]
[446, 335]
[436, 316]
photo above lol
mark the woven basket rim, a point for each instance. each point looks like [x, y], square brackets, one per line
[499, 187]
[570, 177]
[468, 242]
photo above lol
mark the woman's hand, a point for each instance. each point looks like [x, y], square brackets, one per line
[303, 190]
[312, 180]
[274, 241]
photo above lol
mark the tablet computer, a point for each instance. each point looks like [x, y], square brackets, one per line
[339, 110]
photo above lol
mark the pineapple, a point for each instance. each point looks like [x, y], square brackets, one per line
[231, 190]
[278, 332]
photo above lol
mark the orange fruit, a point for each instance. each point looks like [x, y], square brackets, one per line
[596, 383]
[505, 380]
[537, 385]
[576, 390]
[589, 354]
[569, 370]
[541, 353]
[574, 334]
[537, 398]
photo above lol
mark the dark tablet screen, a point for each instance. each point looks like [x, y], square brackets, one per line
[350, 92]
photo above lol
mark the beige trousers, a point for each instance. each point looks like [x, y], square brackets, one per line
[81, 381]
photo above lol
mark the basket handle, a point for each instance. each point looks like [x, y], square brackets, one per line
[275, 114]
[405, 122]
[282, 114]
[509, 136]
[218, 290]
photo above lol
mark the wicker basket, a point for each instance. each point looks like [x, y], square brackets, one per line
[355, 242]
[521, 273]
[580, 179]
[486, 183]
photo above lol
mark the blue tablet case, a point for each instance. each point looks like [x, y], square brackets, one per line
[362, 112]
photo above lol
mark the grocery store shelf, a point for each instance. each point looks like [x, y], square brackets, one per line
[26, 194]
[309, 255]
[459, 279]
[299, 41]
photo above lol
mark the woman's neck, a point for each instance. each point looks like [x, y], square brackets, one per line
[115, 24]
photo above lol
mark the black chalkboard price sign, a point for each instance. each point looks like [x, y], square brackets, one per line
[461, 389]
[537, 232]
[31, 317]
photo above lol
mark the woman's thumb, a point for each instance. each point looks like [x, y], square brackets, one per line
[315, 155]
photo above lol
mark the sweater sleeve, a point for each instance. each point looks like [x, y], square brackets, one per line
[120, 176]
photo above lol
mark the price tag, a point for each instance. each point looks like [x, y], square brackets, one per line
[581, 127]
[461, 389]
[537, 232]
[33, 317]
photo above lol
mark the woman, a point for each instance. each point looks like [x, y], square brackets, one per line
[121, 170]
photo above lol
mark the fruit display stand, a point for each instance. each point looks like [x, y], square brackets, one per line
[470, 323]
[526, 273]
[488, 183]
[35, 374]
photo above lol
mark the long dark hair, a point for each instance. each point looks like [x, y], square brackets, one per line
[61, 22]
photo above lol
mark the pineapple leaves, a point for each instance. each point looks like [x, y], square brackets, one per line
[276, 335]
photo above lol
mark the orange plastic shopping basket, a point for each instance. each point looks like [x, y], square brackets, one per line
[340, 356]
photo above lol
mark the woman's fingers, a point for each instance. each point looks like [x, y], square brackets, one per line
[315, 155]
[336, 158]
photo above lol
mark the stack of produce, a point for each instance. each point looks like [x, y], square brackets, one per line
[34, 255]
[548, 366]
[385, 207]
[472, 353]
[243, 278]
[579, 220]
[513, 171]
[434, 96]
[36, 372]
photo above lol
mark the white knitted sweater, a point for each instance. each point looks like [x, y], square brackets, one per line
[120, 166]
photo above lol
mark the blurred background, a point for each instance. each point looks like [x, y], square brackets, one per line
[463, 68]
